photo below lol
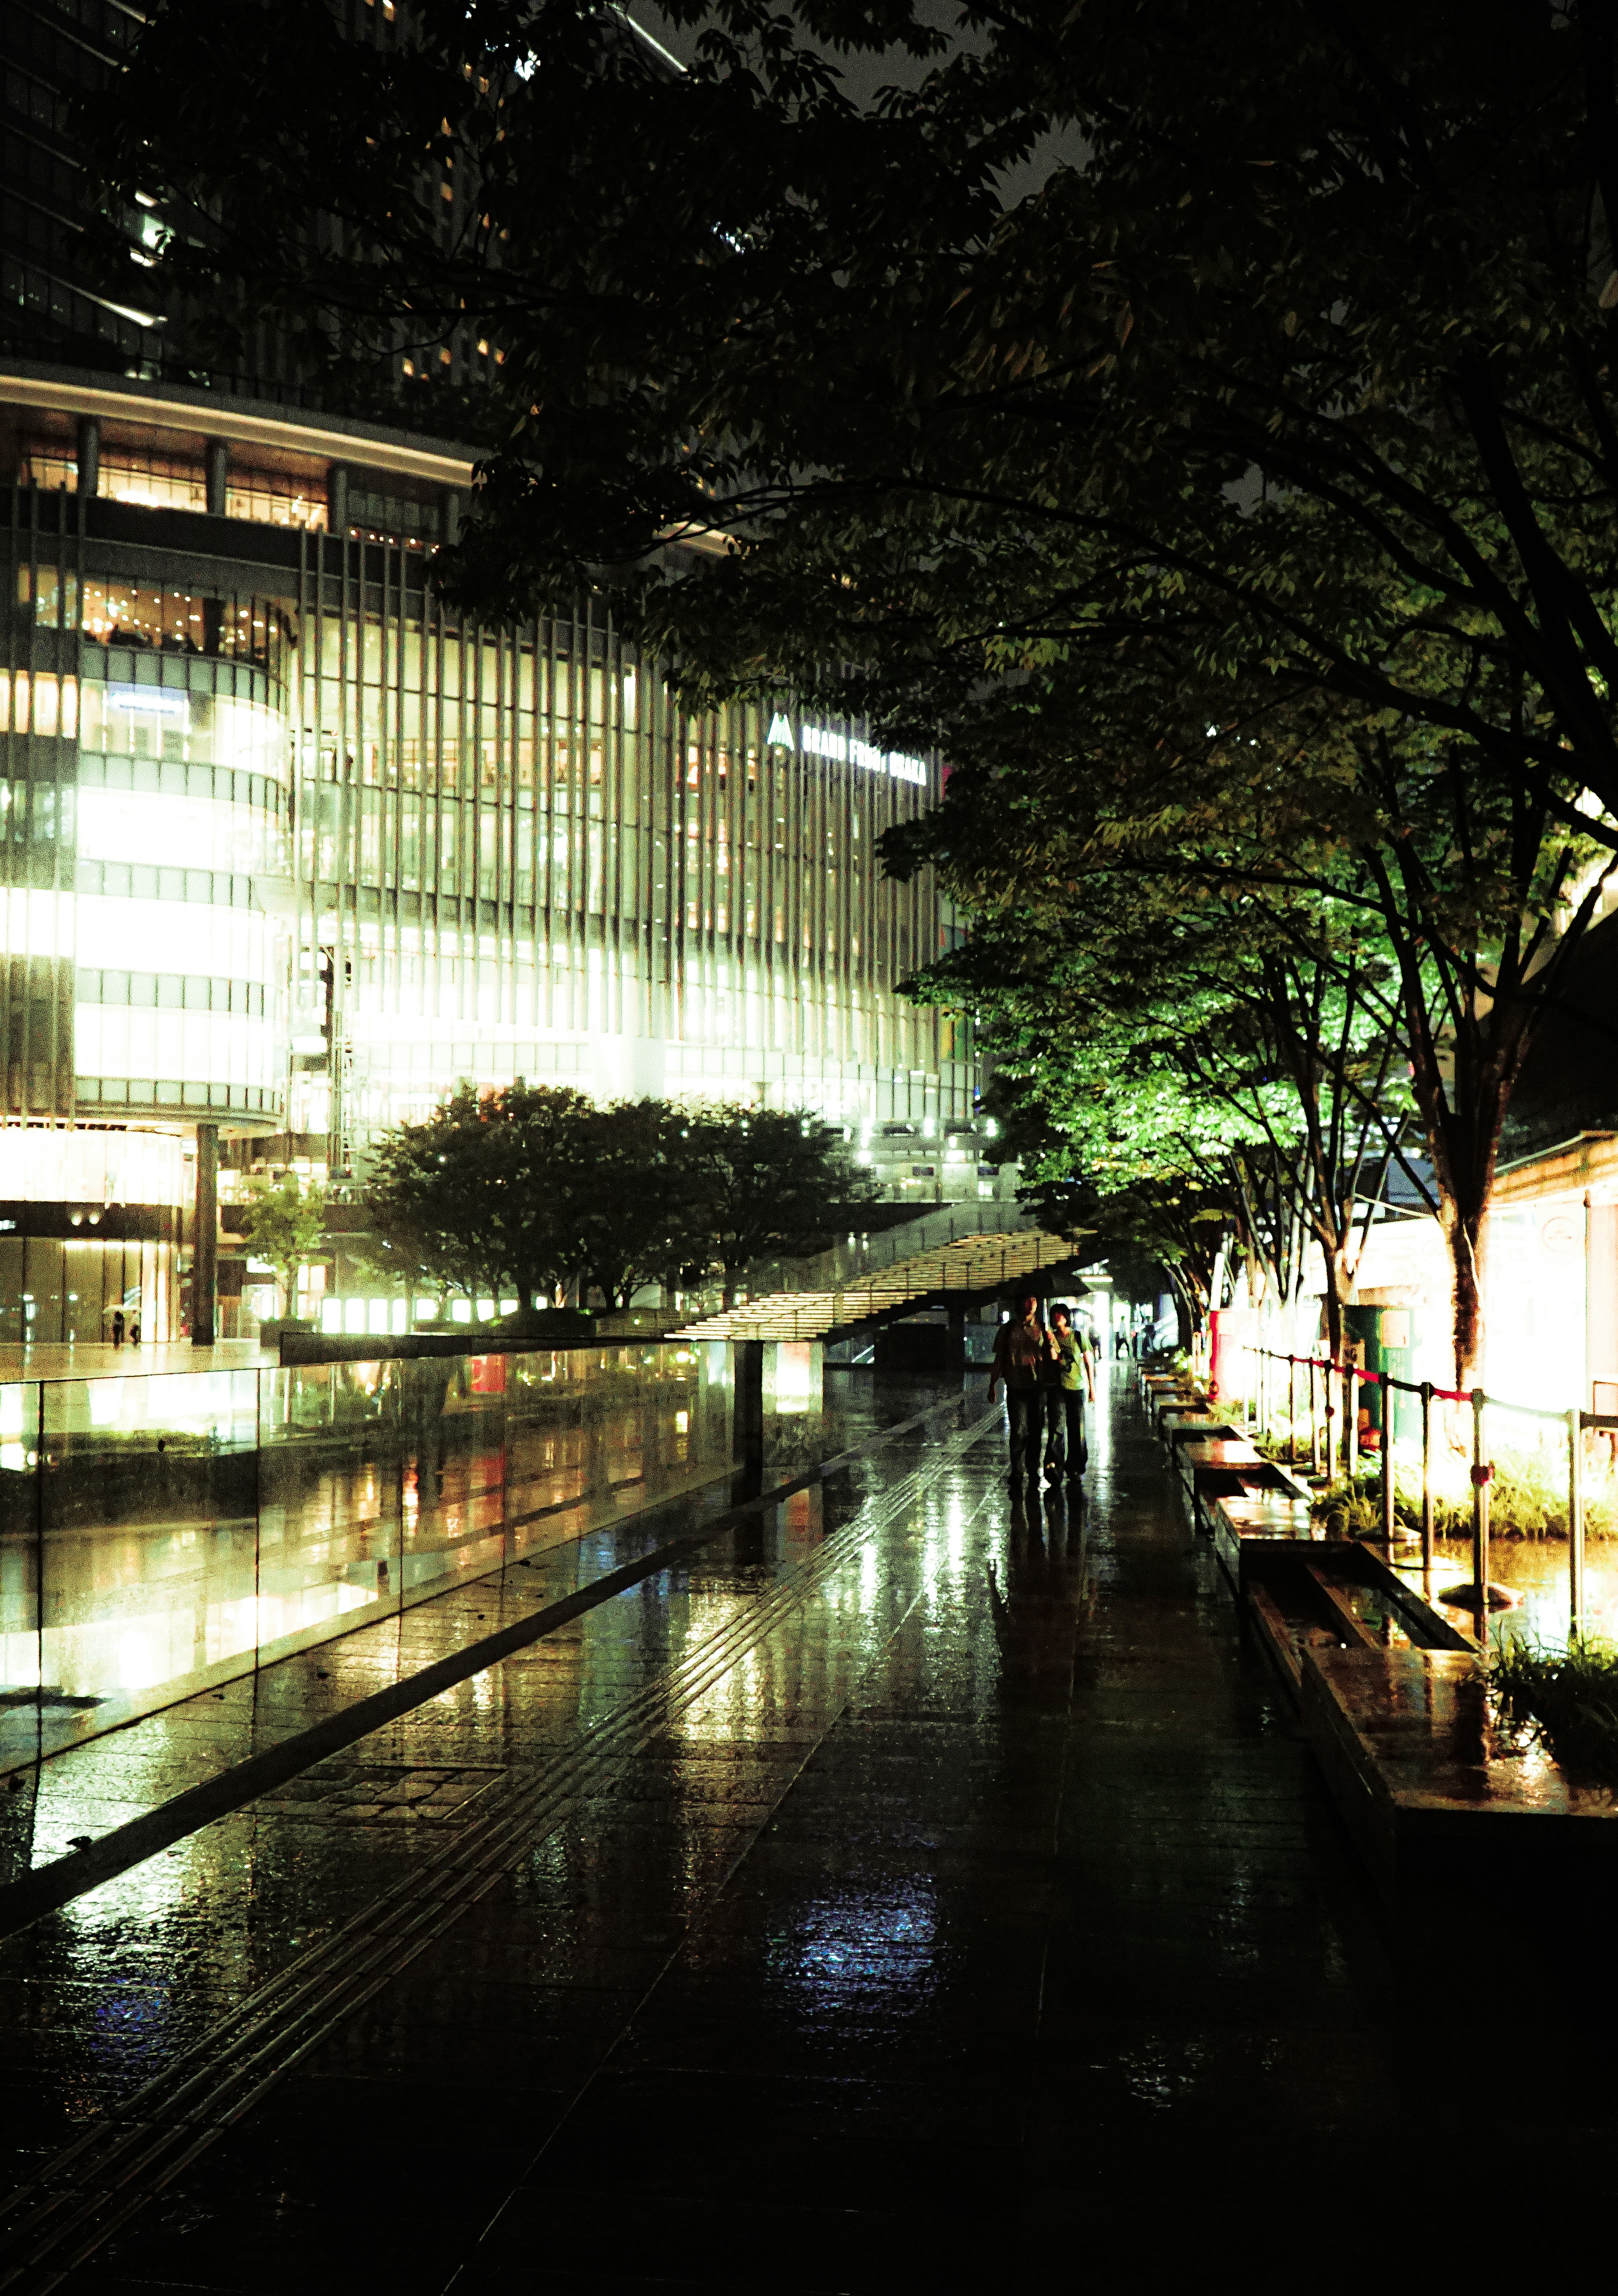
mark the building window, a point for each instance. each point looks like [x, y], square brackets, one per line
[160, 481]
[41, 704]
[185, 621]
[270, 499]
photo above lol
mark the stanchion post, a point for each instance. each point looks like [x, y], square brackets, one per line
[1575, 1524]
[1292, 1411]
[1426, 1475]
[1387, 1464]
[1480, 1516]
[1351, 1423]
[1314, 1422]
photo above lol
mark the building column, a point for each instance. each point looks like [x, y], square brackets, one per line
[205, 1241]
[747, 1429]
[89, 455]
[219, 476]
[337, 499]
[1601, 1308]
[450, 516]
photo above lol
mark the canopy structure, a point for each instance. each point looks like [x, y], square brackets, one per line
[957, 1274]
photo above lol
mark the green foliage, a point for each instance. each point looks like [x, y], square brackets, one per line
[534, 1188]
[1527, 1499]
[473, 1198]
[283, 1223]
[765, 1181]
[1568, 1697]
[1234, 507]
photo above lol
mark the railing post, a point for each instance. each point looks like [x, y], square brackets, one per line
[1426, 1475]
[1351, 1423]
[1292, 1410]
[1576, 1524]
[1314, 1424]
[1479, 1515]
[1387, 1464]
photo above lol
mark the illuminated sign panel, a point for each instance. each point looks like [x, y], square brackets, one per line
[845, 749]
[162, 700]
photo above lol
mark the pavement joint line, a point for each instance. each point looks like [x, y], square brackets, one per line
[322, 1982]
[766, 1818]
[46, 1889]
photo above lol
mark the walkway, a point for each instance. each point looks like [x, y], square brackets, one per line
[904, 1896]
[971, 1267]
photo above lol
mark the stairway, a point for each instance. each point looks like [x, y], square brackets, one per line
[972, 1268]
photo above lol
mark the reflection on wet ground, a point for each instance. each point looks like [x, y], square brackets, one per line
[1536, 1570]
[83, 1794]
[945, 1905]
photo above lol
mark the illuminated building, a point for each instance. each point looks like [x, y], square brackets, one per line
[289, 851]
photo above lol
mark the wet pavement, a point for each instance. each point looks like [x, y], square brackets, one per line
[907, 1894]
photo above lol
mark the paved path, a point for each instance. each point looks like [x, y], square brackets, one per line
[963, 1915]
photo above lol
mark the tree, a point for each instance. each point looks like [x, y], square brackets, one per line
[285, 1223]
[1298, 290]
[478, 1195]
[637, 1200]
[766, 1181]
[1376, 920]
[1294, 371]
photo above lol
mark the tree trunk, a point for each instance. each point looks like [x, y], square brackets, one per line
[1464, 1230]
[1338, 1284]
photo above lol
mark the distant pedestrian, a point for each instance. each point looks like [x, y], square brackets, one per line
[1071, 1381]
[134, 1331]
[1121, 1342]
[1021, 1348]
[118, 1327]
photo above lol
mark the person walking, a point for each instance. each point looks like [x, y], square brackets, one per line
[1070, 1380]
[1021, 1348]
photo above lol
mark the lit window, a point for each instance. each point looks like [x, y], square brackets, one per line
[269, 499]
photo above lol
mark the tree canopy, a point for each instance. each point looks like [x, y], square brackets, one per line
[534, 1189]
[284, 1222]
[1234, 507]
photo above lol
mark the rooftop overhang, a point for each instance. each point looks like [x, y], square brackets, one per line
[190, 413]
[1587, 1165]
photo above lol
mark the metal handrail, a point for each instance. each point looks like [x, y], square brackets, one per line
[842, 1264]
[1351, 1376]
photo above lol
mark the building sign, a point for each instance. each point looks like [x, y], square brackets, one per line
[845, 749]
[161, 701]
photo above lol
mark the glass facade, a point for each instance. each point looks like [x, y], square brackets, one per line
[288, 846]
[161, 1533]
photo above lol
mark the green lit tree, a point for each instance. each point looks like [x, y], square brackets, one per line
[283, 1221]
[766, 1180]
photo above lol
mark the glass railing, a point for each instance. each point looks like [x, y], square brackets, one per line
[852, 1256]
[161, 1533]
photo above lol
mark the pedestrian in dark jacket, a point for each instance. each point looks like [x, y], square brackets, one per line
[1022, 1348]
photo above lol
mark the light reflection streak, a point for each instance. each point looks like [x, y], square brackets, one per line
[861, 1941]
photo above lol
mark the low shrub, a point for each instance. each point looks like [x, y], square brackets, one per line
[1528, 1499]
[1569, 1697]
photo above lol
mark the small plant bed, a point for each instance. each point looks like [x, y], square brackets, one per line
[1527, 1499]
[1568, 1698]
